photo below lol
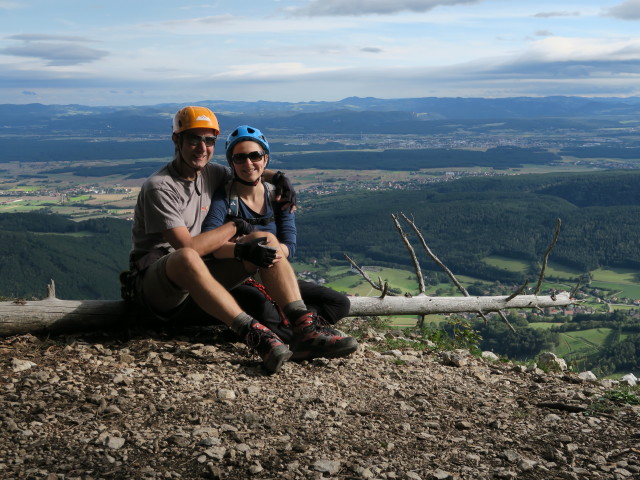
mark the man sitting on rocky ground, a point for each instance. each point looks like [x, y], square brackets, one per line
[166, 261]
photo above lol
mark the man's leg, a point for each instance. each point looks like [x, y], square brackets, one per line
[187, 271]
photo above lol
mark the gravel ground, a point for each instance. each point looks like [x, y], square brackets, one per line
[194, 405]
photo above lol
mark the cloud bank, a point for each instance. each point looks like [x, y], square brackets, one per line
[55, 50]
[366, 7]
[627, 10]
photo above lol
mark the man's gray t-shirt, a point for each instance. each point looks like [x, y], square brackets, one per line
[167, 201]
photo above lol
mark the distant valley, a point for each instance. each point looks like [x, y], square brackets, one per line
[416, 155]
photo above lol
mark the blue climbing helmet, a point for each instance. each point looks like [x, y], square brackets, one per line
[242, 133]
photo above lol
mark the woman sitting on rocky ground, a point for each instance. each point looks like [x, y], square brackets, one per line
[248, 197]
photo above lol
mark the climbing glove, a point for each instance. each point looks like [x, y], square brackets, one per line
[255, 251]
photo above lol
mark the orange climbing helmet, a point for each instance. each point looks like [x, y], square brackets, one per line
[195, 117]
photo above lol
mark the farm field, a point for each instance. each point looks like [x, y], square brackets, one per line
[576, 345]
[621, 282]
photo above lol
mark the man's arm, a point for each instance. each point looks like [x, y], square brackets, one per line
[203, 243]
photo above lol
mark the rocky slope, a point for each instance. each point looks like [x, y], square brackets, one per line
[193, 405]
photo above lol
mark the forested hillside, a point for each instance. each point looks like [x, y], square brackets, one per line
[83, 258]
[463, 221]
[466, 220]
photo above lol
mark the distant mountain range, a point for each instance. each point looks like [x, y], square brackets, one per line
[353, 114]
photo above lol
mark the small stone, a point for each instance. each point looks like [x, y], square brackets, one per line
[463, 425]
[490, 356]
[18, 365]
[327, 466]
[179, 440]
[217, 453]
[113, 442]
[226, 394]
[588, 376]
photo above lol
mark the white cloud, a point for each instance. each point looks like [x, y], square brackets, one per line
[270, 71]
[40, 37]
[627, 10]
[56, 50]
[584, 49]
[556, 14]
[366, 7]
[10, 5]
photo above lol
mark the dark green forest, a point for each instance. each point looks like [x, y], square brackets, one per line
[468, 219]
[83, 258]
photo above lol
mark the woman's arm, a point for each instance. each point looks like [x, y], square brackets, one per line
[217, 210]
[286, 229]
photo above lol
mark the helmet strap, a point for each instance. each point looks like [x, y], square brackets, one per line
[244, 182]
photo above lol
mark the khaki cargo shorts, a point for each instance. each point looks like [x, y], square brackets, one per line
[162, 296]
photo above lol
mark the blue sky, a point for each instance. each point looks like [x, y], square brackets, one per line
[141, 52]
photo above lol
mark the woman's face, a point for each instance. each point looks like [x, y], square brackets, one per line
[245, 167]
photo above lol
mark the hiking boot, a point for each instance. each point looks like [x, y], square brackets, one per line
[324, 324]
[312, 340]
[268, 345]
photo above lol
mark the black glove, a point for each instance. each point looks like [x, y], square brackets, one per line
[284, 189]
[242, 226]
[255, 251]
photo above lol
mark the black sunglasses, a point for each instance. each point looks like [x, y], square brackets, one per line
[194, 140]
[240, 158]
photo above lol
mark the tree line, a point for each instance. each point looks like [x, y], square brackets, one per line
[467, 220]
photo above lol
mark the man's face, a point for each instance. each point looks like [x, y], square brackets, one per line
[193, 146]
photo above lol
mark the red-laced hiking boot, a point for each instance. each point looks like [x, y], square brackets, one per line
[312, 340]
[268, 345]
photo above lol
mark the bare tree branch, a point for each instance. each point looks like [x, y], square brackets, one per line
[519, 291]
[505, 320]
[434, 257]
[385, 289]
[546, 256]
[575, 289]
[450, 274]
[412, 253]
[378, 287]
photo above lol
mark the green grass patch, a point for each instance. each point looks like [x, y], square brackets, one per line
[545, 325]
[343, 279]
[581, 343]
[80, 198]
[615, 275]
[555, 270]
[619, 289]
[508, 264]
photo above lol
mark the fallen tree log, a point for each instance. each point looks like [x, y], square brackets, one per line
[54, 315]
[425, 305]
